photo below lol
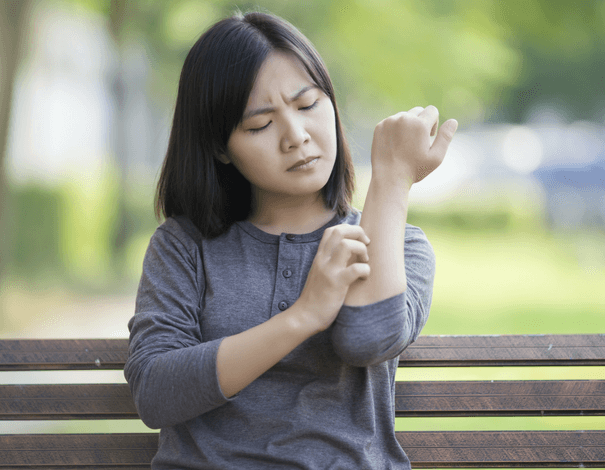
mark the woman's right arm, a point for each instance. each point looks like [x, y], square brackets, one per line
[174, 375]
[170, 370]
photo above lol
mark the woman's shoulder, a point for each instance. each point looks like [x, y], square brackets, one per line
[177, 232]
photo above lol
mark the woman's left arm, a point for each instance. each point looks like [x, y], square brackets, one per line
[402, 154]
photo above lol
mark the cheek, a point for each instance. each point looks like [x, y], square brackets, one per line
[329, 130]
[244, 155]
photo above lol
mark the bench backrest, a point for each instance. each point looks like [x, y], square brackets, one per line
[426, 449]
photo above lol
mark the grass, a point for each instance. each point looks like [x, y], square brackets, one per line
[516, 283]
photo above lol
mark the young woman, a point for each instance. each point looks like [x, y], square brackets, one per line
[270, 313]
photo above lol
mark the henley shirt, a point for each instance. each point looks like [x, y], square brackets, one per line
[329, 404]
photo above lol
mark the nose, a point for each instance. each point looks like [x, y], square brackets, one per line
[294, 133]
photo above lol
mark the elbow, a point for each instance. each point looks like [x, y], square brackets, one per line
[353, 356]
[148, 413]
[365, 346]
[144, 401]
[153, 412]
[358, 356]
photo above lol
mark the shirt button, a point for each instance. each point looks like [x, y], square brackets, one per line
[290, 236]
[283, 305]
[287, 273]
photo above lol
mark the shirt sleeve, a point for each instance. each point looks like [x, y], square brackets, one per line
[171, 371]
[369, 334]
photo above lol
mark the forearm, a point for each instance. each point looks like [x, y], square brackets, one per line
[244, 357]
[383, 220]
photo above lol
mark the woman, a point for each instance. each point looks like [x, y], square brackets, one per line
[270, 313]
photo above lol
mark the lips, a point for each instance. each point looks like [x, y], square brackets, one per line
[301, 163]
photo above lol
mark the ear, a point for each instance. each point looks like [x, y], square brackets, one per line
[223, 158]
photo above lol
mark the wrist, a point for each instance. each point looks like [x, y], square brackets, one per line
[401, 178]
[300, 322]
[388, 188]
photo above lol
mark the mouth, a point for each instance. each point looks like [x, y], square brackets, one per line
[304, 164]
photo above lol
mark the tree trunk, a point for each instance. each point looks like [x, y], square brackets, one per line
[13, 16]
[117, 25]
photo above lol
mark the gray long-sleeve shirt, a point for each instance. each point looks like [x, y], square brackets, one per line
[329, 404]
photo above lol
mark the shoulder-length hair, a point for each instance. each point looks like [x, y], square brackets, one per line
[215, 83]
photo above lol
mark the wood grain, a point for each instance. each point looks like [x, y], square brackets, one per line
[505, 350]
[66, 401]
[425, 449]
[63, 354]
[80, 450]
[501, 398]
[504, 449]
[427, 351]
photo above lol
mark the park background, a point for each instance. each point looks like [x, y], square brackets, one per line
[516, 213]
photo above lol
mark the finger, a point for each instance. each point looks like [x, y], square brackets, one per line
[444, 137]
[416, 111]
[333, 235]
[356, 271]
[430, 115]
[347, 248]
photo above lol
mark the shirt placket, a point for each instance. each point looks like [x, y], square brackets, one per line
[287, 276]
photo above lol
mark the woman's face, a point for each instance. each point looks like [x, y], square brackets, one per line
[286, 142]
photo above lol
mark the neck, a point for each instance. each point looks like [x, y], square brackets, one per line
[281, 214]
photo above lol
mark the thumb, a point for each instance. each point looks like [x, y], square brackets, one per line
[444, 137]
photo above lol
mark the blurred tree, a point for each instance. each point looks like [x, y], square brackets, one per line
[384, 56]
[563, 66]
[118, 22]
[474, 59]
[13, 16]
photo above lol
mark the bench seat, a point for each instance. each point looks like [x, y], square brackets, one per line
[426, 449]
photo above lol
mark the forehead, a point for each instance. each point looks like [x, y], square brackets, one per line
[280, 73]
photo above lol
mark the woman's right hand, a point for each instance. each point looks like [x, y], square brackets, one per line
[341, 259]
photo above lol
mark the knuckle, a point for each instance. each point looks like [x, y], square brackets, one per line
[448, 136]
[346, 244]
[337, 229]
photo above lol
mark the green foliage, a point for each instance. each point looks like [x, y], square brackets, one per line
[561, 44]
[36, 217]
[459, 220]
[473, 59]
[66, 235]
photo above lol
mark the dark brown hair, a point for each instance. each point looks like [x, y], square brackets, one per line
[215, 83]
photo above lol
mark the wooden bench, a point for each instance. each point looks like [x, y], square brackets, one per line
[429, 399]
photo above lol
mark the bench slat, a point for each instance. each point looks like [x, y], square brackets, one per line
[428, 351]
[504, 449]
[501, 398]
[66, 401]
[63, 354]
[60, 450]
[505, 350]
[425, 449]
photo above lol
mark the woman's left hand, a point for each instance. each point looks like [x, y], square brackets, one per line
[402, 146]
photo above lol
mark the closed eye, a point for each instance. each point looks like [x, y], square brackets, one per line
[259, 128]
[307, 108]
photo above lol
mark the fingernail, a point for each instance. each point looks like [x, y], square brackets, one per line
[453, 125]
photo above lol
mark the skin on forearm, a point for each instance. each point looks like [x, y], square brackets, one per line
[383, 220]
[244, 357]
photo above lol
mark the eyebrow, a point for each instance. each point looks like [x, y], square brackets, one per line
[269, 109]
